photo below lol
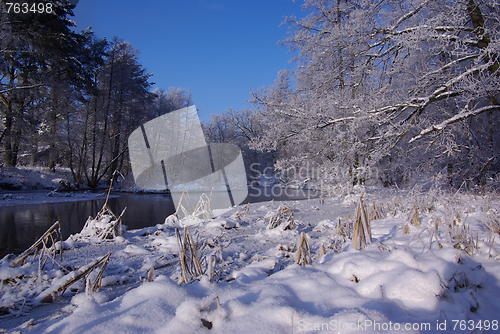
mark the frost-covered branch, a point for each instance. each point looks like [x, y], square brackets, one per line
[410, 14]
[440, 93]
[454, 119]
[19, 88]
[449, 65]
[335, 121]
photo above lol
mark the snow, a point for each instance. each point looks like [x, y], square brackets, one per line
[27, 179]
[400, 283]
[35, 185]
[41, 196]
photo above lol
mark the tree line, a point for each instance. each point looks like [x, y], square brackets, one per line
[71, 99]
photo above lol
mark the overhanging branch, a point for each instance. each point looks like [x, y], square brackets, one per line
[454, 119]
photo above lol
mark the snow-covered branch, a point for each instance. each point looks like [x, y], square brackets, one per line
[410, 14]
[19, 88]
[454, 119]
[335, 121]
[449, 65]
[438, 94]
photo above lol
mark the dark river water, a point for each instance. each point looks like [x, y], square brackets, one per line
[21, 225]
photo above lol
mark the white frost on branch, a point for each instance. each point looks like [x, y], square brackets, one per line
[454, 119]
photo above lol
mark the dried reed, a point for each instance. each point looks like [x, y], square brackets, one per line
[414, 218]
[111, 230]
[190, 262]
[202, 209]
[94, 286]
[375, 214]
[362, 228]
[304, 251]
[464, 239]
[344, 229]
[406, 229]
[493, 221]
[322, 250]
[52, 234]
[282, 217]
[243, 212]
[151, 274]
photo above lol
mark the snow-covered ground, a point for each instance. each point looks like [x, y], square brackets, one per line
[11, 198]
[30, 178]
[36, 185]
[441, 274]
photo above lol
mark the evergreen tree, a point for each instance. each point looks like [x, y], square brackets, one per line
[35, 49]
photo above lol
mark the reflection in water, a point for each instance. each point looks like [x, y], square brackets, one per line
[22, 225]
[8, 234]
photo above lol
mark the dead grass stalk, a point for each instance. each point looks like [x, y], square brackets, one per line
[362, 228]
[52, 234]
[190, 262]
[82, 273]
[304, 251]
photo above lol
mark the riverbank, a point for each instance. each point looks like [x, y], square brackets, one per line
[34, 178]
[441, 268]
[40, 185]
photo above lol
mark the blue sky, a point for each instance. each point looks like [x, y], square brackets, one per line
[220, 49]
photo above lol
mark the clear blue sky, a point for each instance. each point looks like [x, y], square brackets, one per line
[220, 49]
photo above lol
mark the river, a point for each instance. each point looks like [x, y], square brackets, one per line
[22, 224]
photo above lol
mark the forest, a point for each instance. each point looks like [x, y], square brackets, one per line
[70, 99]
[387, 91]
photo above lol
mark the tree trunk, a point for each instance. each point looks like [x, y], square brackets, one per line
[484, 38]
[8, 162]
